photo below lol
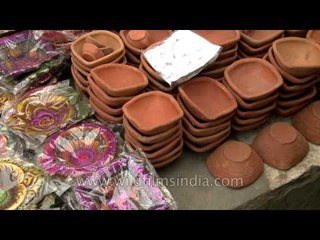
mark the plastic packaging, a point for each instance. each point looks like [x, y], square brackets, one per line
[6, 99]
[10, 144]
[42, 111]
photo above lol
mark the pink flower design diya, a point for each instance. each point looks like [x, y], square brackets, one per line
[79, 150]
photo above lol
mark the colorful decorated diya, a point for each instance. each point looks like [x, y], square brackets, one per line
[140, 191]
[81, 149]
[21, 184]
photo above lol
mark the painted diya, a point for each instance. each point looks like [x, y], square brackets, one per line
[20, 185]
[140, 191]
[79, 150]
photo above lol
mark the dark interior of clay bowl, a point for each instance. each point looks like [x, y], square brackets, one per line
[260, 34]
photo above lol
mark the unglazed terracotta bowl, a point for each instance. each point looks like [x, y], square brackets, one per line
[285, 112]
[153, 112]
[253, 78]
[120, 80]
[242, 54]
[77, 76]
[244, 128]
[222, 63]
[314, 35]
[235, 160]
[228, 53]
[224, 38]
[249, 121]
[298, 100]
[150, 70]
[244, 113]
[297, 56]
[307, 122]
[105, 116]
[258, 38]
[214, 102]
[284, 94]
[79, 69]
[174, 152]
[253, 51]
[281, 146]
[295, 33]
[167, 161]
[132, 58]
[289, 87]
[78, 83]
[91, 52]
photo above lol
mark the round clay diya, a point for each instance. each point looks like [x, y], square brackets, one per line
[79, 150]
[167, 161]
[222, 102]
[298, 100]
[252, 78]
[307, 122]
[173, 152]
[258, 38]
[120, 80]
[314, 35]
[297, 56]
[235, 160]
[153, 112]
[281, 146]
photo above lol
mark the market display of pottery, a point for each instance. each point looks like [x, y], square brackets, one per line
[254, 83]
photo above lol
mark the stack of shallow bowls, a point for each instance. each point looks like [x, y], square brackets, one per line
[94, 49]
[208, 107]
[111, 86]
[228, 40]
[138, 40]
[254, 82]
[295, 33]
[298, 61]
[152, 123]
[256, 43]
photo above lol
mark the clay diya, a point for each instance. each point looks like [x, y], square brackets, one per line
[104, 115]
[244, 128]
[79, 77]
[249, 121]
[235, 160]
[295, 33]
[307, 122]
[78, 150]
[285, 112]
[120, 80]
[173, 152]
[222, 103]
[242, 54]
[228, 53]
[153, 112]
[289, 87]
[314, 35]
[252, 78]
[222, 63]
[297, 56]
[91, 52]
[258, 38]
[244, 113]
[298, 100]
[245, 48]
[224, 38]
[281, 146]
[201, 141]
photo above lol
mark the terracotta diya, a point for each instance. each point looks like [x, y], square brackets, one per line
[235, 163]
[281, 146]
[314, 35]
[258, 38]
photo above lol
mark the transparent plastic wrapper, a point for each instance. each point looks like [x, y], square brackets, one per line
[22, 184]
[6, 99]
[129, 183]
[22, 53]
[40, 112]
[181, 56]
[10, 144]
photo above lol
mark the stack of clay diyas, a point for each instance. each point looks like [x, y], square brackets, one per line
[138, 40]
[228, 40]
[208, 107]
[254, 82]
[298, 61]
[256, 43]
[152, 123]
[94, 49]
[295, 33]
[111, 86]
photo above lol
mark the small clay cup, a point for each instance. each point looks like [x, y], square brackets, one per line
[91, 52]
[139, 38]
[235, 160]
[281, 146]
[307, 122]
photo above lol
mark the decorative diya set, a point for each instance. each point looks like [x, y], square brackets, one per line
[111, 86]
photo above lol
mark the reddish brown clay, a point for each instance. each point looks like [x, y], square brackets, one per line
[314, 35]
[81, 87]
[297, 56]
[224, 38]
[249, 121]
[217, 73]
[153, 112]
[228, 53]
[94, 41]
[284, 94]
[285, 112]
[150, 70]
[307, 122]
[235, 160]
[245, 128]
[296, 33]
[298, 100]
[133, 58]
[252, 78]
[79, 69]
[243, 113]
[91, 52]
[258, 38]
[289, 87]
[119, 80]
[245, 48]
[242, 54]
[214, 102]
[105, 116]
[281, 146]
[176, 149]
[167, 161]
[79, 77]
[222, 63]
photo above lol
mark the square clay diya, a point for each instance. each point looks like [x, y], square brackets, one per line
[153, 112]
[258, 38]
[253, 78]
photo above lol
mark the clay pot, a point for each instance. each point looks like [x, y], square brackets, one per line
[297, 56]
[252, 78]
[245, 128]
[152, 37]
[91, 52]
[120, 80]
[314, 35]
[153, 112]
[249, 121]
[258, 38]
[295, 33]
[203, 132]
[103, 115]
[206, 148]
[107, 39]
[235, 160]
[296, 88]
[243, 113]
[298, 100]
[285, 112]
[307, 122]
[281, 146]
[111, 101]
[228, 53]
[224, 38]
[222, 103]
[152, 139]
[287, 76]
